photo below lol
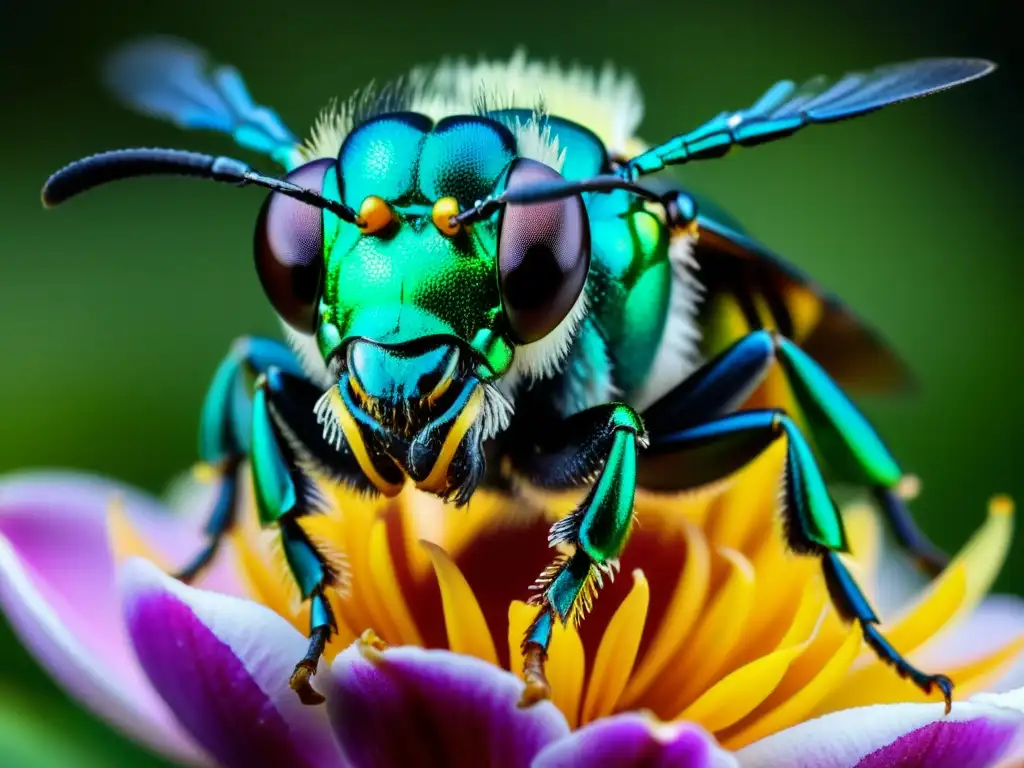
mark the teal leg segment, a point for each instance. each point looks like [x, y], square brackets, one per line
[313, 578]
[273, 426]
[283, 419]
[224, 432]
[852, 448]
[224, 424]
[604, 438]
[277, 485]
[847, 441]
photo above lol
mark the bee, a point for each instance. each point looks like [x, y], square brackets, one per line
[480, 284]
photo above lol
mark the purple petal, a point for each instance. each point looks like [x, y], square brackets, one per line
[967, 744]
[222, 664]
[997, 621]
[633, 740]
[58, 590]
[409, 707]
[977, 734]
[57, 525]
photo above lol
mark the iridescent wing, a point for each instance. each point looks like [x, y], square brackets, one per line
[174, 80]
[786, 108]
[748, 286]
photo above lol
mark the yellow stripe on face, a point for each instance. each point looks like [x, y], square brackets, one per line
[353, 381]
[354, 438]
[437, 480]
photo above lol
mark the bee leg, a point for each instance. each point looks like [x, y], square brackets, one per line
[313, 577]
[846, 441]
[928, 557]
[698, 455]
[851, 447]
[286, 444]
[224, 434]
[568, 588]
[220, 520]
[604, 439]
[851, 604]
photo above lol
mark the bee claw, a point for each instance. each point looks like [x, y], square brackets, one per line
[945, 685]
[300, 684]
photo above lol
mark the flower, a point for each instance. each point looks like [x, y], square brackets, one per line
[716, 648]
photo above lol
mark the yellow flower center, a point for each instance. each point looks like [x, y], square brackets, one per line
[712, 620]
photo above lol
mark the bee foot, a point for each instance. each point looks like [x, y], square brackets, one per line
[300, 684]
[537, 686]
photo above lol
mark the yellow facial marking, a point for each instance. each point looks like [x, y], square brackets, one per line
[440, 389]
[354, 438]
[444, 210]
[357, 388]
[437, 480]
[375, 215]
[446, 380]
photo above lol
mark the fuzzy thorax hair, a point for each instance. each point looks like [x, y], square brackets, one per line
[606, 101]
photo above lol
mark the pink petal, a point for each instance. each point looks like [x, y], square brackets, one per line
[977, 734]
[997, 621]
[223, 664]
[633, 740]
[434, 709]
[57, 587]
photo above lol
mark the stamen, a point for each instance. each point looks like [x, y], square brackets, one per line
[370, 642]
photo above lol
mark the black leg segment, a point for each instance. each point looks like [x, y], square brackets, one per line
[851, 604]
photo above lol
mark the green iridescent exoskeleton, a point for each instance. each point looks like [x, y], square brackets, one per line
[474, 293]
[414, 281]
[411, 281]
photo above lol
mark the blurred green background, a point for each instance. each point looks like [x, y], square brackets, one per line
[116, 309]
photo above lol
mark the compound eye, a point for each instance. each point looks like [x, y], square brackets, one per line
[289, 249]
[543, 255]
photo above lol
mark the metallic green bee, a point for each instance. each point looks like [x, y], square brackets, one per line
[482, 288]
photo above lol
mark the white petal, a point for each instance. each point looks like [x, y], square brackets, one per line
[975, 735]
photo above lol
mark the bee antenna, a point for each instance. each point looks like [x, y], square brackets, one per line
[89, 172]
[546, 191]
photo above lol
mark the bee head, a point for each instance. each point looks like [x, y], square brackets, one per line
[414, 271]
